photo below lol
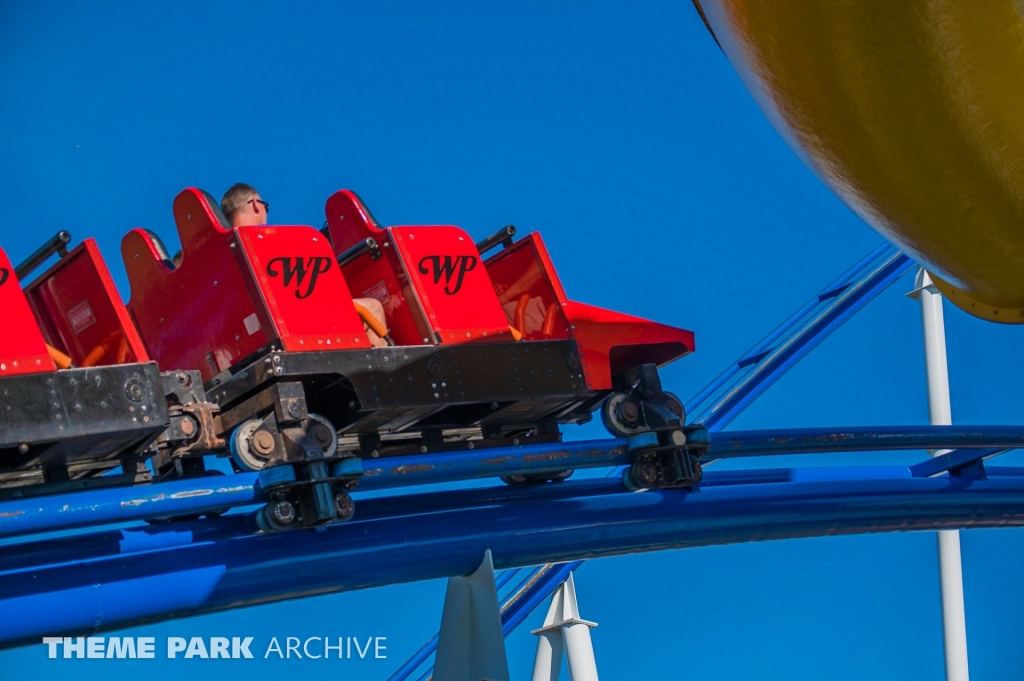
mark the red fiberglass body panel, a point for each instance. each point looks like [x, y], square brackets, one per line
[200, 314]
[303, 288]
[610, 343]
[349, 222]
[430, 279]
[22, 348]
[81, 313]
[211, 311]
[451, 284]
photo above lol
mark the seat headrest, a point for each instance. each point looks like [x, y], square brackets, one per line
[215, 209]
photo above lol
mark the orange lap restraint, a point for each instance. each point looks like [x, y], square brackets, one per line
[118, 339]
[59, 358]
[519, 319]
[549, 321]
[371, 321]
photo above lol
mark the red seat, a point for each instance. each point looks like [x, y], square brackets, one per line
[22, 348]
[610, 343]
[81, 313]
[430, 280]
[238, 292]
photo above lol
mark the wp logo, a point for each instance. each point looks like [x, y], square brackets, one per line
[448, 266]
[301, 271]
[4, 273]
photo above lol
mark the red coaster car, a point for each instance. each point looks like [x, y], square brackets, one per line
[482, 352]
[78, 394]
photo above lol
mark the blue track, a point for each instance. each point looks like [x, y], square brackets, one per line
[103, 580]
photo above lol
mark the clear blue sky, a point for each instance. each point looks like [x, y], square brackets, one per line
[622, 134]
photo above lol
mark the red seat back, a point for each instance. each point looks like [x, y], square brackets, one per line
[22, 348]
[237, 292]
[301, 285]
[430, 280]
[529, 290]
[81, 313]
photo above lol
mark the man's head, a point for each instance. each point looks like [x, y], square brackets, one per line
[242, 205]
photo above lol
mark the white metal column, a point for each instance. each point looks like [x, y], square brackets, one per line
[470, 645]
[563, 629]
[954, 624]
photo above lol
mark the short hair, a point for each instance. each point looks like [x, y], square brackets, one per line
[235, 198]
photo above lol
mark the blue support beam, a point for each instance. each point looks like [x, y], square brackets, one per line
[781, 351]
[768, 442]
[757, 352]
[954, 462]
[443, 534]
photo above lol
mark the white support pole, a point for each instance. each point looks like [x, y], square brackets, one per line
[563, 629]
[579, 651]
[547, 665]
[470, 645]
[954, 621]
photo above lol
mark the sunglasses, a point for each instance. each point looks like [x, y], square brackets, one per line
[266, 206]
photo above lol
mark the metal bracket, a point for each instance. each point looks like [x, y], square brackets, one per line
[965, 463]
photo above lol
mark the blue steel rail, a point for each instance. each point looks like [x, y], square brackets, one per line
[769, 360]
[176, 571]
[219, 493]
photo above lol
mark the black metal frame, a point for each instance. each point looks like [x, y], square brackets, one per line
[503, 236]
[64, 427]
[387, 402]
[58, 243]
[497, 388]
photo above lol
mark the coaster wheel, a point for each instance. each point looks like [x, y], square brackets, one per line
[620, 415]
